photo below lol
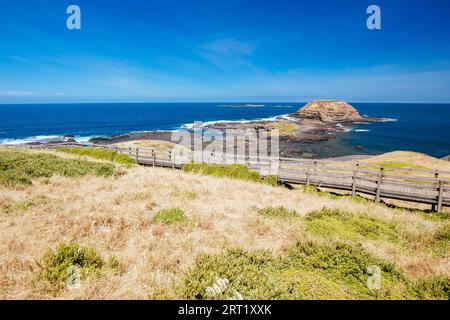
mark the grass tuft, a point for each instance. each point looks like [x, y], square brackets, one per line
[54, 268]
[170, 216]
[18, 206]
[235, 171]
[277, 212]
[99, 153]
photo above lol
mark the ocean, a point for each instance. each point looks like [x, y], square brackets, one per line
[415, 127]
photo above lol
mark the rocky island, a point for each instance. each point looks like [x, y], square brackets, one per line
[329, 111]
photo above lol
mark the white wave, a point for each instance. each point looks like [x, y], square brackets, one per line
[41, 138]
[209, 123]
[362, 130]
[248, 105]
[344, 128]
[388, 120]
[44, 139]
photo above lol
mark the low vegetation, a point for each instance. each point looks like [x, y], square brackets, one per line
[70, 260]
[336, 223]
[20, 167]
[100, 153]
[235, 171]
[170, 216]
[400, 164]
[308, 270]
[277, 212]
[18, 206]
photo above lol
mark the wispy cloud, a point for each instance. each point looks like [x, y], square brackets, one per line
[98, 78]
[228, 53]
[16, 93]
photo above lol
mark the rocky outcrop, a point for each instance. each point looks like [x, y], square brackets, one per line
[329, 111]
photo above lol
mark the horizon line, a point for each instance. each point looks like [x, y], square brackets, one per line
[206, 102]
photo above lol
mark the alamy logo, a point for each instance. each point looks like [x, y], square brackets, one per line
[374, 20]
[374, 279]
[73, 22]
[73, 278]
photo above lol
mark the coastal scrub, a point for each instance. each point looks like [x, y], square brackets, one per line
[19, 167]
[307, 270]
[235, 171]
[100, 153]
[55, 266]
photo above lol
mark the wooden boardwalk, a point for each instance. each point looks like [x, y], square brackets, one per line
[416, 185]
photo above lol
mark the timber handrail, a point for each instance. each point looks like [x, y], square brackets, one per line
[356, 177]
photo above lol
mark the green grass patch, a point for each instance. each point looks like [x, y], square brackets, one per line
[307, 270]
[18, 207]
[309, 189]
[99, 153]
[277, 212]
[170, 216]
[235, 171]
[55, 267]
[433, 216]
[328, 223]
[440, 243]
[436, 287]
[401, 164]
[20, 167]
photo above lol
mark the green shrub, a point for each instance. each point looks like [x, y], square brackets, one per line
[277, 212]
[20, 167]
[235, 171]
[53, 269]
[99, 153]
[170, 216]
[308, 270]
[326, 222]
[436, 287]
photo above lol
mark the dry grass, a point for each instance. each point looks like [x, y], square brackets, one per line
[414, 158]
[115, 214]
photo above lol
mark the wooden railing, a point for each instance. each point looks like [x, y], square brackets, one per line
[409, 184]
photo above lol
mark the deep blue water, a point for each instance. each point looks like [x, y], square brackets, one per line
[418, 127]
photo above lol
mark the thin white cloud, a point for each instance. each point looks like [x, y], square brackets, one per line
[16, 93]
[229, 47]
[228, 53]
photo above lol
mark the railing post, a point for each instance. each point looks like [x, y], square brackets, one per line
[154, 158]
[137, 155]
[440, 196]
[172, 156]
[308, 173]
[436, 176]
[379, 181]
[355, 176]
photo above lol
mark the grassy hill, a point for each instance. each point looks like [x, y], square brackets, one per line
[147, 233]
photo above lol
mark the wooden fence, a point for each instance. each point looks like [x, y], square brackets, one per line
[416, 185]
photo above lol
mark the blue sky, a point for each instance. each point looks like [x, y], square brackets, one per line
[224, 50]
